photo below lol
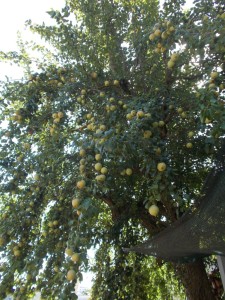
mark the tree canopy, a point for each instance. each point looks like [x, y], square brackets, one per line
[105, 141]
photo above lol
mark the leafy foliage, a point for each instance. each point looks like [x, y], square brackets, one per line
[126, 112]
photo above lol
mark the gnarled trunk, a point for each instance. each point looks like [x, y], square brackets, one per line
[195, 280]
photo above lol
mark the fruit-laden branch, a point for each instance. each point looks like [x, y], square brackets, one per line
[152, 224]
[149, 222]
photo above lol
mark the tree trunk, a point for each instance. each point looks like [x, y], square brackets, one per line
[195, 281]
[192, 275]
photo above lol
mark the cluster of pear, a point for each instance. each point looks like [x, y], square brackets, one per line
[98, 167]
[139, 115]
[17, 117]
[17, 249]
[57, 116]
[75, 257]
[160, 34]
[81, 98]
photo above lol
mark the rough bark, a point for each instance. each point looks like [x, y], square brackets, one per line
[195, 281]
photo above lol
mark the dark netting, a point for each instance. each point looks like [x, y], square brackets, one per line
[198, 233]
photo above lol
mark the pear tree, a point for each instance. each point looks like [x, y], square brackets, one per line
[105, 141]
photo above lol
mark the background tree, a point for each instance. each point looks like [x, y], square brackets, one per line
[127, 112]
